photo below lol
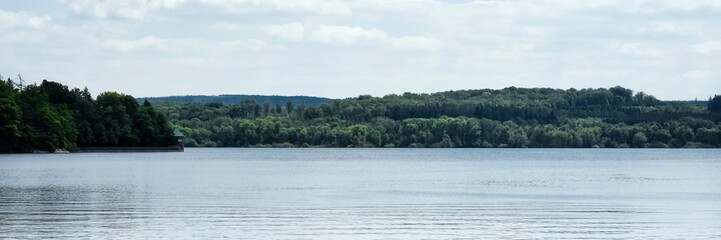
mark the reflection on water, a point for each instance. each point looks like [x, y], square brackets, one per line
[366, 194]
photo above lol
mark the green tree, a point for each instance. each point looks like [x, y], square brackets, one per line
[511, 117]
[117, 123]
[710, 136]
[714, 104]
[10, 117]
[639, 140]
[45, 127]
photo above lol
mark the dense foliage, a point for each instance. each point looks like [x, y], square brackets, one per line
[49, 116]
[232, 99]
[714, 104]
[510, 117]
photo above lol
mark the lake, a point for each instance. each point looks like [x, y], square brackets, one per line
[364, 194]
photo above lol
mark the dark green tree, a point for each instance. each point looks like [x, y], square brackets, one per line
[714, 104]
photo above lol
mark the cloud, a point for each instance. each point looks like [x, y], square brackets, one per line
[708, 47]
[148, 42]
[332, 7]
[690, 5]
[696, 74]
[188, 61]
[291, 31]
[170, 4]
[400, 5]
[673, 29]
[639, 49]
[15, 20]
[346, 35]
[247, 44]
[127, 9]
[474, 44]
[656, 6]
[23, 28]
[223, 26]
[412, 42]
[133, 45]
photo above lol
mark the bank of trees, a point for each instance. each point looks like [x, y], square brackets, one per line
[50, 116]
[714, 104]
[510, 117]
[233, 99]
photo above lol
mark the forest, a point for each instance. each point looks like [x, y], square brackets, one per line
[232, 99]
[49, 117]
[513, 117]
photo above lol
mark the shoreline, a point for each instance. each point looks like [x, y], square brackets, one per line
[104, 150]
[128, 149]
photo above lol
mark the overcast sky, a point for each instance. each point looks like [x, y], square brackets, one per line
[670, 49]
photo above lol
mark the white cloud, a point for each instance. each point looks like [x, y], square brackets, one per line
[708, 47]
[133, 45]
[412, 42]
[291, 31]
[188, 61]
[399, 5]
[655, 6]
[669, 28]
[690, 5]
[312, 6]
[128, 9]
[346, 35]
[23, 28]
[605, 42]
[148, 42]
[223, 26]
[10, 20]
[23, 38]
[696, 74]
[248, 44]
[639, 49]
[170, 4]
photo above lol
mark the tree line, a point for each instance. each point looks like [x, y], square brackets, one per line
[49, 116]
[512, 117]
[233, 98]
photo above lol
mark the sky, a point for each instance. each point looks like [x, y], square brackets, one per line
[667, 48]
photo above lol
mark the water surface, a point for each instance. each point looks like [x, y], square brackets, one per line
[364, 194]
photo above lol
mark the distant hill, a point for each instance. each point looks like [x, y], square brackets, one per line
[234, 99]
[613, 117]
[692, 102]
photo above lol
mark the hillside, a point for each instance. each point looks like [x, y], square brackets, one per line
[234, 99]
[509, 117]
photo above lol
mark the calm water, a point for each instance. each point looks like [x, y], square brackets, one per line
[364, 194]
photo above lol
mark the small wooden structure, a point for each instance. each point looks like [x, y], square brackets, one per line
[178, 138]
